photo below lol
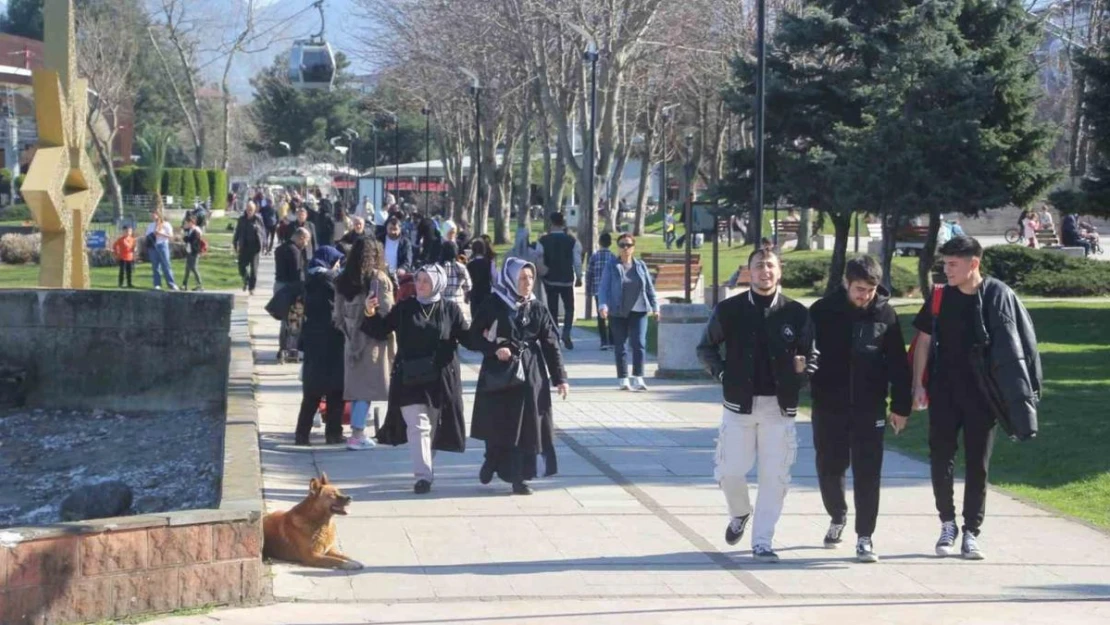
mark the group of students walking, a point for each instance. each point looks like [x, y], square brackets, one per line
[974, 365]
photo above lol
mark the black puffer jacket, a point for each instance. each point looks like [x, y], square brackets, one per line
[789, 334]
[869, 352]
[1005, 360]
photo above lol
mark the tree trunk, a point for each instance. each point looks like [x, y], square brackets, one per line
[928, 255]
[642, 189]
[805, 231]
[843, 226]
[105, 154]
[525, 186]
[890, 231]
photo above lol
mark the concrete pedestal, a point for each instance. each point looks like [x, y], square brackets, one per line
[680, 330]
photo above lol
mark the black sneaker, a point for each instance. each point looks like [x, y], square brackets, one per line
[735, 530]
[947, 541]
[520, 488]
[833, 536]
[485, 474]
[865, 551]
[763, 553]
[422, 487]
[969, 548]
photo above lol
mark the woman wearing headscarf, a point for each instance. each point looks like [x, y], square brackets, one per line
[367, 361]
[512, 406]
[531, 253]
[425, 387]
[429, 242]
[322, 344]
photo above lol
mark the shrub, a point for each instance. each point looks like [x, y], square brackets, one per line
[5, 179]
[126, 176]
[204, 190]
[1089, 281]
[804, 274]
[16, 212]
[188, 189]
[20, 249]
[173, 183]
[147, 184]
[218, 186]
[101, 258]
[1012, 264]
[19, 180]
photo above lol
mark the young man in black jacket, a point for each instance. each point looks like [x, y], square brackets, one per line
[983, 368]
[768, 353]
[857, 332]
[562, 253]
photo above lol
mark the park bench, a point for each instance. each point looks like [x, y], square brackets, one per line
[786, 229]
[668, 270]
[875, 230]
[1047, 236]
[910, 240]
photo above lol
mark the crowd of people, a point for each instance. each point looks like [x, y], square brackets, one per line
[389, 303]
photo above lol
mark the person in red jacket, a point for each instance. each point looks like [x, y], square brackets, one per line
[124, 251]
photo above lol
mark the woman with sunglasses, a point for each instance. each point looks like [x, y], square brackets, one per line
[626, 297]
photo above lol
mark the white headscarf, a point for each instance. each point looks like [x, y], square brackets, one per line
[439, 283]
[506, 286]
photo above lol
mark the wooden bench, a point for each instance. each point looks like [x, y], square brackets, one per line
[786, 229]
[1047, 236]
[911, 240]
[668, 270]
[875, 230]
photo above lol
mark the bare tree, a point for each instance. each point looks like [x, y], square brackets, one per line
[183, 33]
[108, 44]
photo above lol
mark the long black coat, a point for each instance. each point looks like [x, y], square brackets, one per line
[520, 416]
[321, 342]
[438, 334]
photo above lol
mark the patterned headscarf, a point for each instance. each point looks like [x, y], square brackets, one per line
[506, 287]
[439, 283]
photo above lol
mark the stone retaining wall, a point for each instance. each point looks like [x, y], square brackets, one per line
[136, 565]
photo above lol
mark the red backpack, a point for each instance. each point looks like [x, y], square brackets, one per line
[934, 308]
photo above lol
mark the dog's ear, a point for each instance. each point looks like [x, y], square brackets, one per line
[324, 479]
[314, 486]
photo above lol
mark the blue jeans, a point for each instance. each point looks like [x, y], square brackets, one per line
[359, 411]
[160, 262]
[631, 329]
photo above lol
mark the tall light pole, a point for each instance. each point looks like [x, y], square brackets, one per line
[591, 55]
[352, 136]
[476, 91]
[663, 164]
[688, 216]
[760, 114]
[427, 111]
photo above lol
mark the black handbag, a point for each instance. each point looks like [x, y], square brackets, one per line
[419, 371]
[511, 375]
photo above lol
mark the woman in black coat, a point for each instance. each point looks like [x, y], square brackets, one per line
[425, 387]
[322, 344]
[516, 420]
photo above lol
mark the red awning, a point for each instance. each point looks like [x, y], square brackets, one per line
[409, 185]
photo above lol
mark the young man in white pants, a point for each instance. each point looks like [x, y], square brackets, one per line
[768, 355]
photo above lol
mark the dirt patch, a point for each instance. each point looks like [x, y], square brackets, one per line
[170, 460]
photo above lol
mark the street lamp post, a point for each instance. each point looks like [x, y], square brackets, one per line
[352, 136]
[396, 159]
[476, 90]
[427, 158]
[663, 164]
[591, 55]
[760, 114]
[689, 218]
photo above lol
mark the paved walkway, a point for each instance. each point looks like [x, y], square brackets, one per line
[631, 529]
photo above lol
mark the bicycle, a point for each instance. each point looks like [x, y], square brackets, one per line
[1013, 235]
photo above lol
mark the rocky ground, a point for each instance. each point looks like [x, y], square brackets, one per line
[170, 460]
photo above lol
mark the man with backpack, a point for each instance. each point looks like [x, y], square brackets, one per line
[975, 364]
[195, 245]
[857, 329]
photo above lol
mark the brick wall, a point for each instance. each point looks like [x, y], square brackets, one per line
[77, 579]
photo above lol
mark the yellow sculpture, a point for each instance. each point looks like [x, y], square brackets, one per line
[61, 187]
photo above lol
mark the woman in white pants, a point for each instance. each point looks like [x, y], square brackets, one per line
[425, 388]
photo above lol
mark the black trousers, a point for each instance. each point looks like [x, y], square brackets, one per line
[554, 294]
[842, 439]
[333, 418]
[248, 269]
[126, 268]
[603, 326]
[952, 408]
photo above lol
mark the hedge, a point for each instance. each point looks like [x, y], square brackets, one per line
[814, 274]
[173, 183]
[5, 179]
[127, 179]
[218, 184]
[203, 189]
[188, 189]
[1038, 272]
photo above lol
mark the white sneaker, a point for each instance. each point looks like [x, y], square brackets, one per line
[624, 385]
[317, 421]
[946, 544]
[361, 443]
[638, 384]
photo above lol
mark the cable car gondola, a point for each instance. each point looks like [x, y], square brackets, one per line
[311, 61]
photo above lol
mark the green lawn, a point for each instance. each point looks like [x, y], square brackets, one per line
[218, 268]
[1067, 467]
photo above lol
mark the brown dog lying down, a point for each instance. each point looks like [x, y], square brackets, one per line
[306, 534]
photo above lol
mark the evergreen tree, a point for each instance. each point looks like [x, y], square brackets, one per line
[24, 18]
[1093, 196]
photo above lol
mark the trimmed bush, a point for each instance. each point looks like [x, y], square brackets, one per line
[19, 180]
[1012, 264]
[1088, 281]
[20, 249]
[814, 273]
[173, 183]
[5, 179]
[218, 185]
[203, 188]
[1038, 272]
[127, 177]
[188, 189]
[16, 212]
